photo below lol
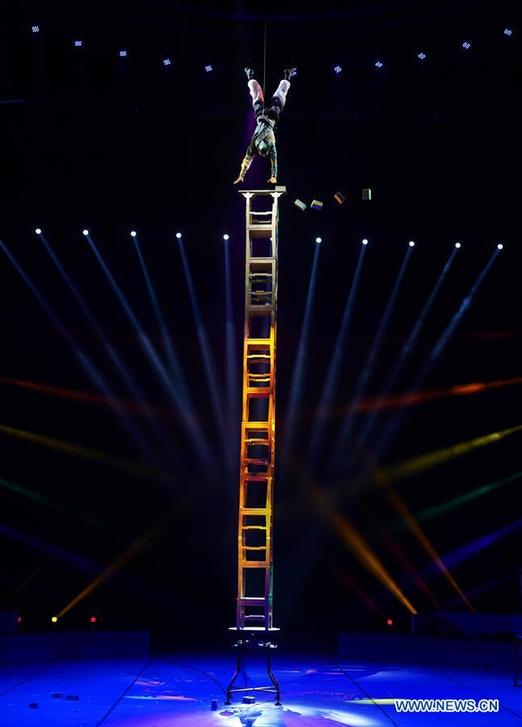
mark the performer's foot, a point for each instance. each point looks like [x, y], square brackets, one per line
[289, 73]
[250, 74]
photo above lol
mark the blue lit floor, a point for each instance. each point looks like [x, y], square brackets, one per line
[178, 691]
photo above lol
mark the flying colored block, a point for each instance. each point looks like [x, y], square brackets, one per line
[339, 197]
[367, 194]
[316, 204]
[300, 204]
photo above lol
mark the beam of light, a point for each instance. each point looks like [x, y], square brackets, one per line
[231, 364]
[484, 587]
[343, 437]
[388, 431]
[347, 580]
[399, 554]
[467, 551]
[168, 345]
[300, 360]
[434, 511]
[367, 557]
[334, 368]
[51, 550]
[112, 353]
[33, 575]
[201, 448]
[414, 398]
[74, 450]
[204, 346]
[413, 526]
[118, 563]
[403, 356]
[85, 362]
[414, 465]
[89, 398]
[38, 497]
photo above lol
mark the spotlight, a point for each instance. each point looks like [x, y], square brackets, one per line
[93, 619]
[365, 241]
[421, 56]
[338, 69]
[35, 28]
[318, 240]
[54, 619]
[411, 243]
[226, 237]
[38, 230]
[85, 232]
[123, 53]
[19, 620]
[508, 32]
[466, 45]
[458, 245]
[178, 235]
[78, 43]
[379, 64]
[389, 622]
[167, 62]
[133, 233]
[500, 246]
[208, 68]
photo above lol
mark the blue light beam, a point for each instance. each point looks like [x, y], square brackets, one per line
[299, 371]
[334, 369]
[200, 447]
[366, 373]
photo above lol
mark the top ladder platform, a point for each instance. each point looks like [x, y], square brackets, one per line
[278, 189]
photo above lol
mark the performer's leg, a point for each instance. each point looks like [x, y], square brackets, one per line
[280, 93]
[256, 92]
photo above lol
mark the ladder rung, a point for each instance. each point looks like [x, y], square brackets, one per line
[253, 511]
[253, 527]
[262, 260]
[251, 601]
[254, 564]
[253, 547]
[258, 342]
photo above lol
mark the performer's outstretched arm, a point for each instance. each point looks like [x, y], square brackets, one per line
[273, 165]
[245, 166]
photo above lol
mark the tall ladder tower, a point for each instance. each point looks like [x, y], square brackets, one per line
[254, 613]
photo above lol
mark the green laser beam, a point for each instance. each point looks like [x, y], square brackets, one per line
[429, 513]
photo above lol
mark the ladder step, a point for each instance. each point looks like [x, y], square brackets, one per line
[253, 510]
[257, 342]
[253, 547]
[252, 527]
[251, 601]
[255, 564]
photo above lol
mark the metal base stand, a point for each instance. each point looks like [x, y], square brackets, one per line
[249, 641]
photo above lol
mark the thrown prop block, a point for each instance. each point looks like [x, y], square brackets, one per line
[300, 204]
[316, 205]
[339, 197]
[367, 194]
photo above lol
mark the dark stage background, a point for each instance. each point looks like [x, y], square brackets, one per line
[92, 140]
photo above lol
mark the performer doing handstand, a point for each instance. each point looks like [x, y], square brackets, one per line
[263, 139]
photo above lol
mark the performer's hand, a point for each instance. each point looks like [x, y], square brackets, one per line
[272, 180]
[239, 179]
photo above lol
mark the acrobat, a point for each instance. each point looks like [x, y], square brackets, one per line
[263, 139]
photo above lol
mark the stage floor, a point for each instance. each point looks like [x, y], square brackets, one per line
[177, 690]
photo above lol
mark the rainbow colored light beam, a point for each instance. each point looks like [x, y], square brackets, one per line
[76, 450]
[415, 465]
